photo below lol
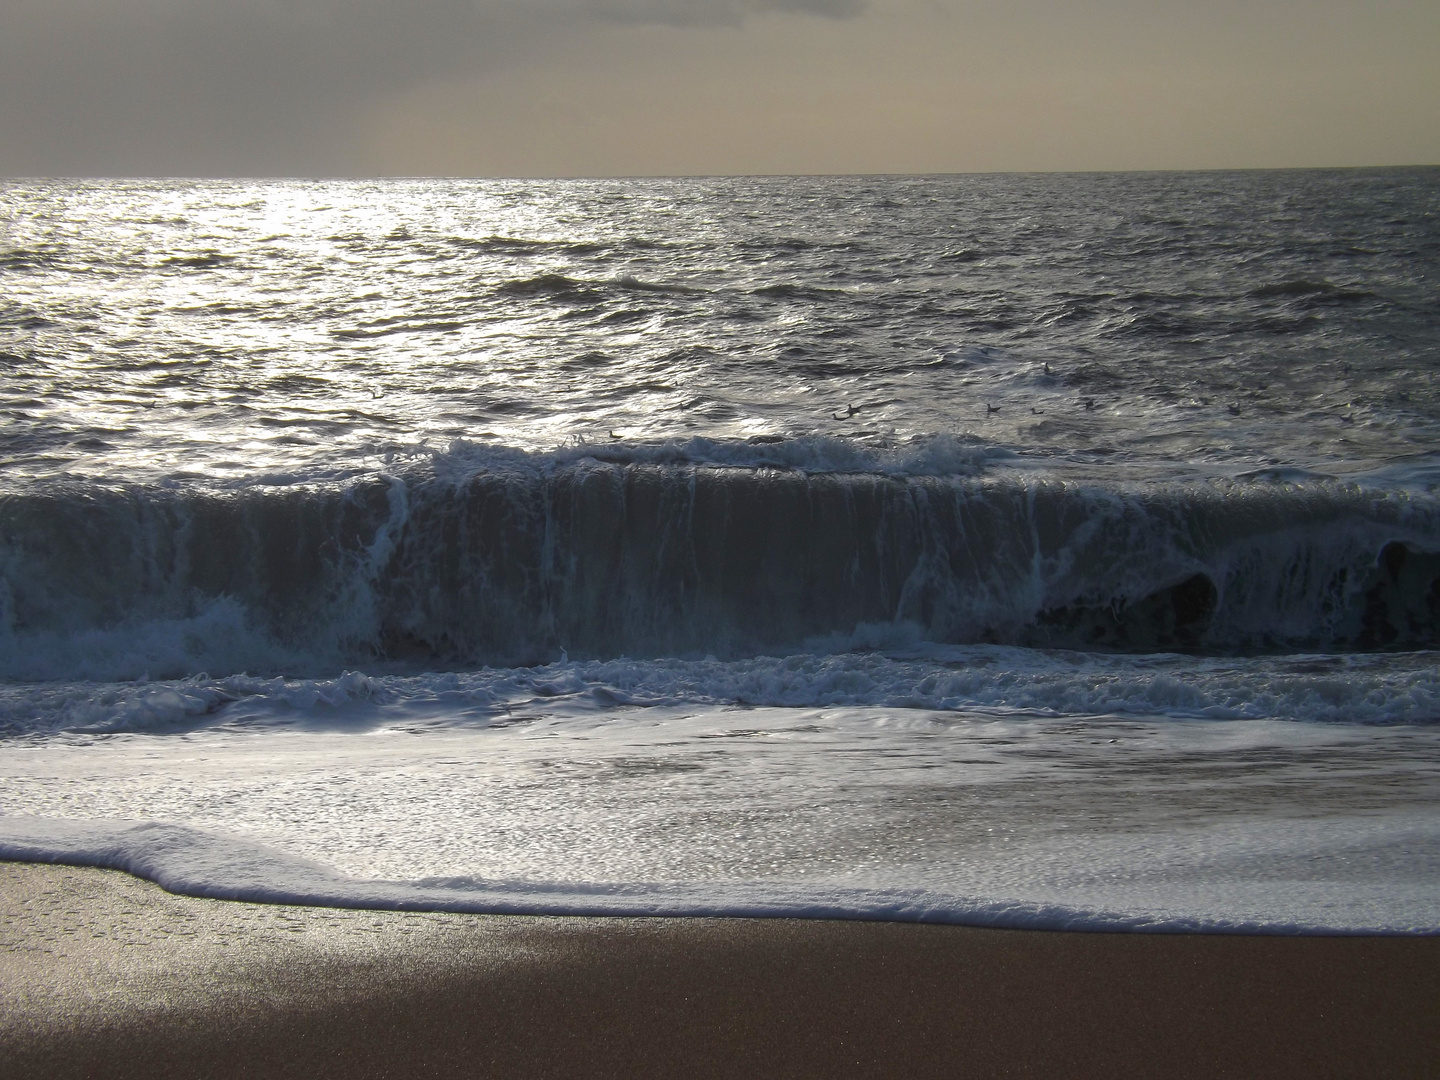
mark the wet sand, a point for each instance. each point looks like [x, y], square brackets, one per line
[103, 975]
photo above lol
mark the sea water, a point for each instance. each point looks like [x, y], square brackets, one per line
[1013, 550]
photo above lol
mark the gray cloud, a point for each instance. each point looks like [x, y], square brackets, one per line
[525, 87]
[266, 86]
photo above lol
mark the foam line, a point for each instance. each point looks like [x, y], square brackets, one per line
[194, 863]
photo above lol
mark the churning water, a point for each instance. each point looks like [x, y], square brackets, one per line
[1042, 550]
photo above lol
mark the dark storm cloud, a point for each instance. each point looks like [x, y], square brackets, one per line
[264, 86]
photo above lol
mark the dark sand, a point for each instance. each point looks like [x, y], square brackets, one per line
[103, 975]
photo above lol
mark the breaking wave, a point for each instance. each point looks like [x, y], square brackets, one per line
[510, 558]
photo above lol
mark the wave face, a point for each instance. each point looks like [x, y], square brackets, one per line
[523, 563]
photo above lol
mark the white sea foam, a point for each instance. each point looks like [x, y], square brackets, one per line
[990, 818]
[1390, 688]
[221, 867]
[220, 636]
[914, 455]
[193, 863]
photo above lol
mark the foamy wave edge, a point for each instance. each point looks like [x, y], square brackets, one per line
[1405, 689]
[189, 862]
[921, 455]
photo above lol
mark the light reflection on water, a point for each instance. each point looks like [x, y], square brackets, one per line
[225, 329]
[1212, 820]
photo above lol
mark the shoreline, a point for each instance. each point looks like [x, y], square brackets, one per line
[106, 975]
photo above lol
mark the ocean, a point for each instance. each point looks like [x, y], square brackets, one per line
[1030, 551]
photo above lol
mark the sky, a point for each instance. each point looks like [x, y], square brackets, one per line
[683, 87]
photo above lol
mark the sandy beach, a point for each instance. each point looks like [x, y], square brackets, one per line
[104, 975]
